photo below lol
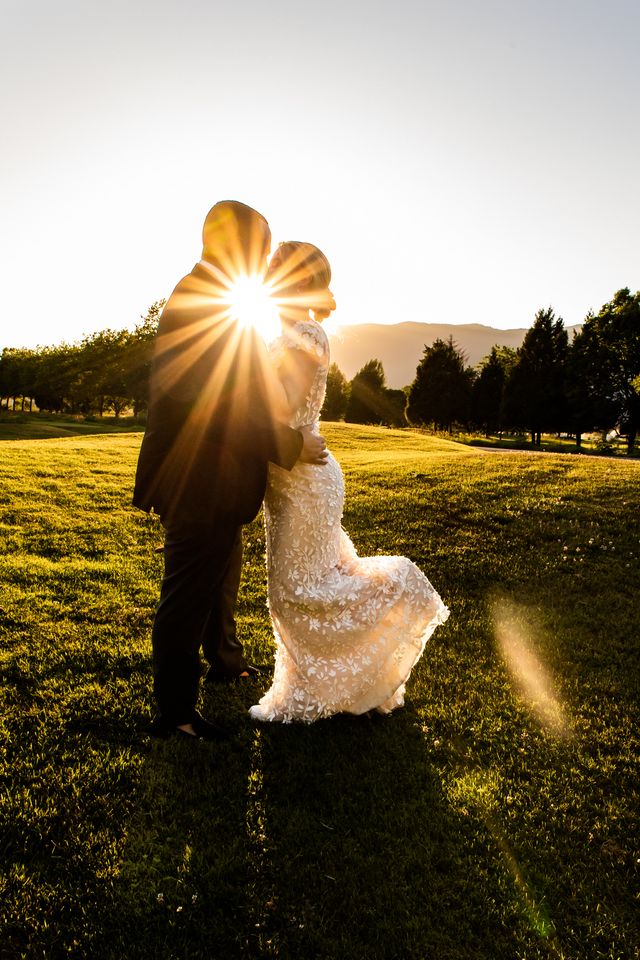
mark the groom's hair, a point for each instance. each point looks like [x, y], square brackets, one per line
[236, 237]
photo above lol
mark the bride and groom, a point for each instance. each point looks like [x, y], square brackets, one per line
[230, 424]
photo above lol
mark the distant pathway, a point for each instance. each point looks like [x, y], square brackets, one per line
[552, 453]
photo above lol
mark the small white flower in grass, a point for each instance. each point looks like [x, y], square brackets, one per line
[178, 909]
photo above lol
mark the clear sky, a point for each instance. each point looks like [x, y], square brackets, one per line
[458, 161]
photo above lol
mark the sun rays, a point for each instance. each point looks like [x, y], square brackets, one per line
[211, 355]
[211, 352]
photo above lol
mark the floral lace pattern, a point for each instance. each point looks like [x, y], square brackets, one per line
[311, 338]
[348, 629]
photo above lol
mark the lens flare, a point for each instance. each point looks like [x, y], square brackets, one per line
[479, 790]
[250, 303]
[515, 636]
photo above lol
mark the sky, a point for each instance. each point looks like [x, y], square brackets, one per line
[457, 161]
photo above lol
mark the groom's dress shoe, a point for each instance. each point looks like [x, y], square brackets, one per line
[206, 729]
[250, 672]
[203, 730]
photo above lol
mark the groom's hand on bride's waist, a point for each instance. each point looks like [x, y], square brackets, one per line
[314, 449]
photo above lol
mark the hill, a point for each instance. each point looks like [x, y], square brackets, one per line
[399, 345]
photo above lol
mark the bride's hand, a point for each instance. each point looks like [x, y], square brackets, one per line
[314, 449]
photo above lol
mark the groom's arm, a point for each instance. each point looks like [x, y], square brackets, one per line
[280, 444]
[277, 442]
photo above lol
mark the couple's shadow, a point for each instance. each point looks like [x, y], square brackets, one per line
[329, 840]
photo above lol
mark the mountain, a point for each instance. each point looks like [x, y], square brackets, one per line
[399, 346]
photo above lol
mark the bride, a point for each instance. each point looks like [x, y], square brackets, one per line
[348, 629]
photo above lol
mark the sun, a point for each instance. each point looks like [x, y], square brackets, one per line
[251, 304]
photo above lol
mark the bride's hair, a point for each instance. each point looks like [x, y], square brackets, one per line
[294, 261]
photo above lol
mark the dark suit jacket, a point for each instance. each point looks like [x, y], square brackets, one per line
[210, 431]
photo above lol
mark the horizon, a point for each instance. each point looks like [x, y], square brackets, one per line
[332, 328]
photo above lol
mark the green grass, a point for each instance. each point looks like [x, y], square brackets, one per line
[488, 819]
[551, 443]
[43, 426]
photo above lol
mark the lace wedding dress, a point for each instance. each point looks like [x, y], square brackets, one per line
[348, 629]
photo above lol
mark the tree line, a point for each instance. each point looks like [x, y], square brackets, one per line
[107, 372]
[548, 385]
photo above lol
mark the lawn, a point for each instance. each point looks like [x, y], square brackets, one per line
[495, 817]
[591, 444]
[44, 426]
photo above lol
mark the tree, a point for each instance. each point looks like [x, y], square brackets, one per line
[17, 375]
[336, 397]
[441, 391]
[367, 402]
[588, 406]
[394, 407]
[534, 396]
[113, 380]
[138, 357]
[488, 388]
[57, 369]
[615, 331]
[97, 378]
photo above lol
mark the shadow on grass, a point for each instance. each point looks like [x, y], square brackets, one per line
[328, 841]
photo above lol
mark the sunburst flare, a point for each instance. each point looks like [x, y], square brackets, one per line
[251, 304]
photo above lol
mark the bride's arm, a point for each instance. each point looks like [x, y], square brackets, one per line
[287, 387]
[276, 396]
[296, 375]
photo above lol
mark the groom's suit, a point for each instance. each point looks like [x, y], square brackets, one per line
[203, 468]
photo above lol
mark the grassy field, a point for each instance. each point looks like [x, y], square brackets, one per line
[591, 445]
[494, 817]
[44, 426]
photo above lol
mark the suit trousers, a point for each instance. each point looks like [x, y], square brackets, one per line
[202, 567]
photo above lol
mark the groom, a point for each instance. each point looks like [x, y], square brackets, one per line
[203, 464]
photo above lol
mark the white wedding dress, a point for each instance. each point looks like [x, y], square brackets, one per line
[348, 629]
